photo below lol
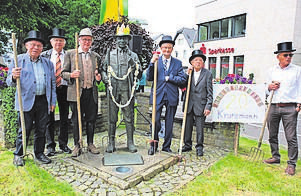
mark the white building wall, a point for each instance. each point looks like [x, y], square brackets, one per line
[182, 49]
[268, 22]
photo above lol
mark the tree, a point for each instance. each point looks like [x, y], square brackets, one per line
[21, 16]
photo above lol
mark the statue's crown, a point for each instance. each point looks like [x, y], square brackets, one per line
[122, 30]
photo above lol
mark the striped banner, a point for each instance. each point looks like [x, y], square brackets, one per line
[112, 9]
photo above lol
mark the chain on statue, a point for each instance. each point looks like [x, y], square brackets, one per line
[112, 73]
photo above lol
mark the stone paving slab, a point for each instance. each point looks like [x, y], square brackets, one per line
[159, 181]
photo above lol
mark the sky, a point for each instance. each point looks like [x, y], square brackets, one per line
[163, 16]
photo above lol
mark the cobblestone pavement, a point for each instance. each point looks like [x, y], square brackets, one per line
[89, 183]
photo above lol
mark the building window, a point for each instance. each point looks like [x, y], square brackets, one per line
[224, 28]
[238, 65]
[224, 66]
[239, 25]
[212, 66]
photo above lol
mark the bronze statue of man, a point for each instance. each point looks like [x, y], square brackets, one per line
[121, 69]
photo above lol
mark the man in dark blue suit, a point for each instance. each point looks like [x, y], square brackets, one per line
[170, 77]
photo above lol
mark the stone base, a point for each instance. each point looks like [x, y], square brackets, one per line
[136, 174]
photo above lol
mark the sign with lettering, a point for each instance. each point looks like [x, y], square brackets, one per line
[221, 50]
[244, 103]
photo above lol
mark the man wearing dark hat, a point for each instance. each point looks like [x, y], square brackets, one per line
[38, 94]
[284, 80]
[56, 55]
[121, 70]
[170, 77]
[88, 76]
[199, 102]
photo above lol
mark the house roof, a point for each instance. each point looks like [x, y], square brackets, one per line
[189, 34]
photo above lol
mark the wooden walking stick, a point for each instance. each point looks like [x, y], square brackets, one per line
[180, 158]
[19, 97]
[153, 141]
[78, 95]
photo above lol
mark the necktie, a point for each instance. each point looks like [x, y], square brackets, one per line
[58, 70]
[165, 65]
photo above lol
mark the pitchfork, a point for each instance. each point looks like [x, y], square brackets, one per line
[257, 153]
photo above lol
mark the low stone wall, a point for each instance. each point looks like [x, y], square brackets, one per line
[217, 134]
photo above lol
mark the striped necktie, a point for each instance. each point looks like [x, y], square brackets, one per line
[165, 66]
[58, 70]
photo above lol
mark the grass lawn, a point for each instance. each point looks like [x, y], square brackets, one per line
[28, 180]
[237, 176]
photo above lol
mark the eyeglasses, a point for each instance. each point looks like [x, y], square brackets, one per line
[86, 40]
[286, 55]
[39, 46]
[59, 40]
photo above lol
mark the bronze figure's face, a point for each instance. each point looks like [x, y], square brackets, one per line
[122, 41]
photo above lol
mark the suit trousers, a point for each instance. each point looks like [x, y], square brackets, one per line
[199, 122]
[169, 118]
[288, 115]
[39, 115]
[63, 104]
[88, 113]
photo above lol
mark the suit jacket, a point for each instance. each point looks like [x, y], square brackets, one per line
[176, 79]
[28, 82]
[112, 60]
[69, 66]
[201, 93]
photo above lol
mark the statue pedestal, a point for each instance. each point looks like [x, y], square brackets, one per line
[126, 158]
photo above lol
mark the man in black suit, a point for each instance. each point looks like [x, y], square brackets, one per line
[56, 55]
[199, 102]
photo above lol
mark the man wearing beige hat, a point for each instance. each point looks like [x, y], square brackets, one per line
[88, 76]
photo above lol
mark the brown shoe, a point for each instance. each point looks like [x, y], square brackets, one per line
[290, 170]
[272, 161]
[93, 149]
[76, 151]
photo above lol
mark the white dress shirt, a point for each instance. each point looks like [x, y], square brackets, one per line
[290, 83]
[196, 75]
[53, 60]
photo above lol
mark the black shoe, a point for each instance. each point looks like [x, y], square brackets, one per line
[43, 159]
[186, 149]
[152, 150]
[199, 153]
[167, 150]
[18, 161]
[50, 151]
[65, 149]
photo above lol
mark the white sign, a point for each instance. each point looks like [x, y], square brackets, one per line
[244, 103]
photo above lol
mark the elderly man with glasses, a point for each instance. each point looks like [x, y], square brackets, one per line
[284, 80]
[38, 94]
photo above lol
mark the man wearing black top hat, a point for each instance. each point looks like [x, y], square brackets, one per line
[170, 77]
[199, 102]
[284, 80]
[38, 95]
[56, 55]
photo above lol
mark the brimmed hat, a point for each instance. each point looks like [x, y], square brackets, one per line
[285, 47]
[57, 33]
[85, 32]
[123, 31]
[166, 39]
[34, 35]
[197, 53]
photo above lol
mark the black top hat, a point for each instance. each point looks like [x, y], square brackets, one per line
[58, 33]
[34, 35]
[284, 47]
[197, 53]
[166, 39]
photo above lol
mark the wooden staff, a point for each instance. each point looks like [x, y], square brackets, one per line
[154, 100]
[19, 97]
[185, 113]
[78, 94]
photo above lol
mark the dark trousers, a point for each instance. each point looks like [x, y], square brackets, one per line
[63, 104]
[288, 115]
[39, 115]
[88, 110]
[169, 118]
[199, 122]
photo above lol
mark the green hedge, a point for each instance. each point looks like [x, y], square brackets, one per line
[10, 115]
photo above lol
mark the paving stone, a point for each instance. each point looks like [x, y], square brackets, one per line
[89, 191]
[82, 187]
